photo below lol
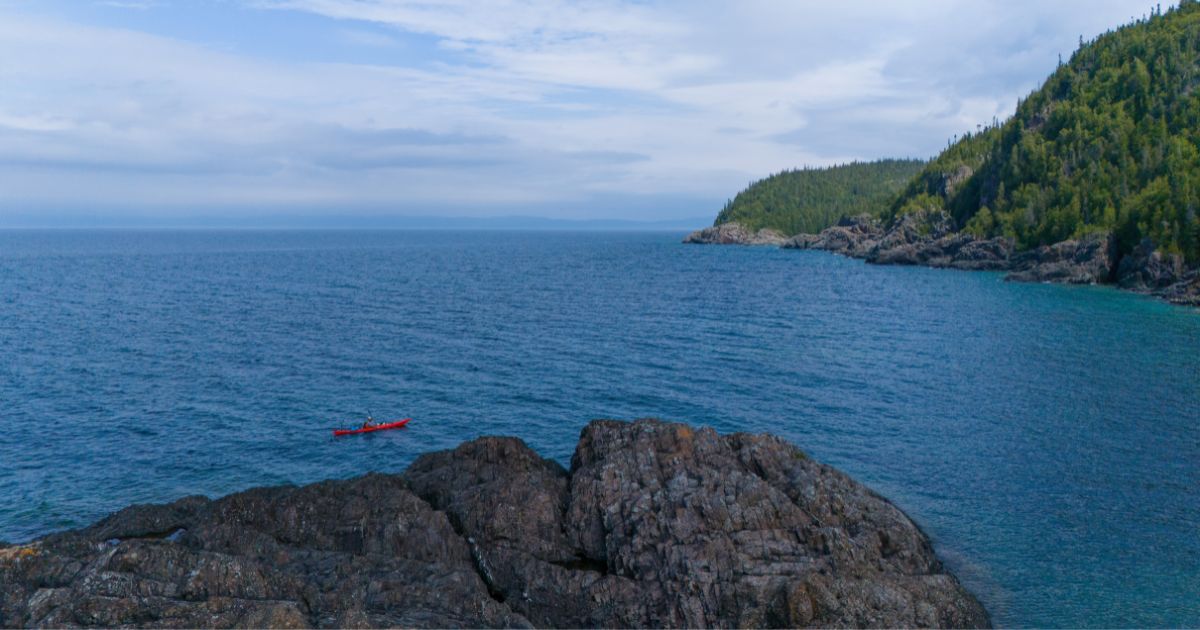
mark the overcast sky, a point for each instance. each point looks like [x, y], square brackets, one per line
[644, 110]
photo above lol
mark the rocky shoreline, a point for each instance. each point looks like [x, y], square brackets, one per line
[735, 234]
[930, 239]
[654, 525]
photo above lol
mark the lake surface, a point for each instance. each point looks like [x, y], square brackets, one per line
[1046, 437]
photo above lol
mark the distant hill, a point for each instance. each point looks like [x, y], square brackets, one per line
[811, 199]
[1110, 142]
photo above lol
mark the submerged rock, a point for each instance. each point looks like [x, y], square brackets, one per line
[655, 524]
[734, 234]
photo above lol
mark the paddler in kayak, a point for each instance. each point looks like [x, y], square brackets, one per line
[369, 423]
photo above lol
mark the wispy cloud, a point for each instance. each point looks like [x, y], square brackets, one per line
[544, 103]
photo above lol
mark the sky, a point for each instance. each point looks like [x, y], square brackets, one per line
[150, 111]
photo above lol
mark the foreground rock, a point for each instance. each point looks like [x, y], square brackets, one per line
[734, 234]
[655, 524]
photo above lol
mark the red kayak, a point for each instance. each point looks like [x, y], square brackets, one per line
[375, 427]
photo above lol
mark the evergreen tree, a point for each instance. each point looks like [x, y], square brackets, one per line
[1110, 142]
[809, 200]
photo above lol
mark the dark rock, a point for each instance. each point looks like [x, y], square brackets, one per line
[734, 234]
[852, 236]
[364, 552]
[1186, 292]
[912, 229]
[746, 530]
[1089, 260]
[656, 524]
[927, 237]
[1146, 269]
[974, 254]
[955, 250]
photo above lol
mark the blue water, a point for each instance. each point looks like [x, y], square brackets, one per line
[1046, 437]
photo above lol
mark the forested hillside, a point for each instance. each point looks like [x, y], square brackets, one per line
[811, 199]
[1110, 142]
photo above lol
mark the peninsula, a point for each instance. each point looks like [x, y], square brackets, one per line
[1094, 179]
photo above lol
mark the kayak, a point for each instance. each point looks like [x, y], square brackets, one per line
[377, 427]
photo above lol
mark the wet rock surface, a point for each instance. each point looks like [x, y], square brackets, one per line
[655, 524]
[734, 234]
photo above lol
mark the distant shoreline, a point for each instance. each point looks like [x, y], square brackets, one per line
[928, 240]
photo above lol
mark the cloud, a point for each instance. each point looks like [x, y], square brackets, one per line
[507, 102]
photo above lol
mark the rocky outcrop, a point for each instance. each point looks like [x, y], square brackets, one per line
[1089, 260]
[913, 229]
[954, 251]
[655, 524]
[1146, 269]
[1186, 292]
[924, 238]
[734, 234]
[929, 238]
[852, 236]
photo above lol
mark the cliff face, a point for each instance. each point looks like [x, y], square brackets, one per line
[655, 524]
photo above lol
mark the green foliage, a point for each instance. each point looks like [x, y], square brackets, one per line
[1111, 141]
[812, 199]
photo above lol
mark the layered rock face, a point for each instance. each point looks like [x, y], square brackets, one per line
[655, 524]
[734, 234]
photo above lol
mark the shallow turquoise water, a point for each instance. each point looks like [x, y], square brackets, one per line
[1046, 437]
